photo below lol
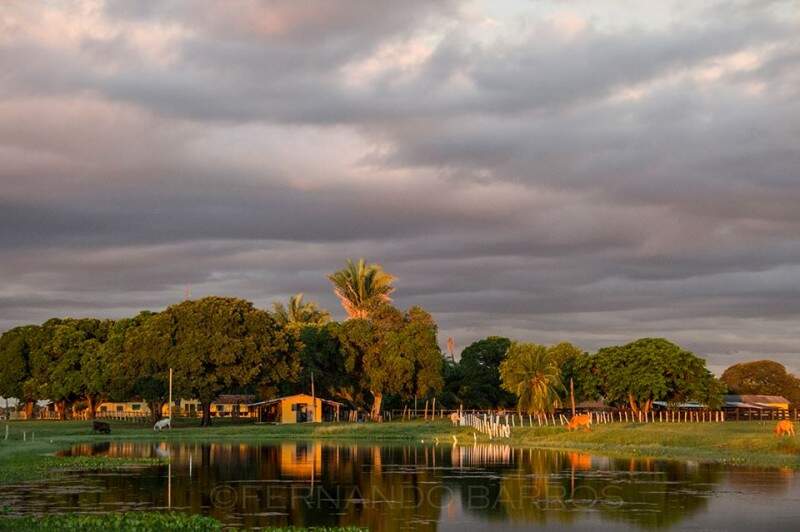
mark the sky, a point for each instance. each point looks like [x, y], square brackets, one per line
[587, 171]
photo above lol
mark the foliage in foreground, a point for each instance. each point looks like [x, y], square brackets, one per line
[135, 522]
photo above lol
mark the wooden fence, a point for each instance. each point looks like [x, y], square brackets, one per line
[561, 417]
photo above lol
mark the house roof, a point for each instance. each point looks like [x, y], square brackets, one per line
[756, 399]
[592, 405]
[279, 399]
[234, 399]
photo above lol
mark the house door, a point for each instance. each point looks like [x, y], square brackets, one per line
[302, 413]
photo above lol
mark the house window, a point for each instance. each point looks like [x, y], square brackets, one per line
[120, 408]
[136, 406]
[104, 409]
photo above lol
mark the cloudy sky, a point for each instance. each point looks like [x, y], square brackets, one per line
[550, 170]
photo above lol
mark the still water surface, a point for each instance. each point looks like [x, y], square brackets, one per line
[482, 487]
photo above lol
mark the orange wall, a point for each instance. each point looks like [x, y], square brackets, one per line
[290, 416]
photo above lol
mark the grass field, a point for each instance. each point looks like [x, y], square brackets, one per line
[28, 452]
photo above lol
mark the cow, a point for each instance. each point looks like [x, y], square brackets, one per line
[101, 426]
[581, 420]
[784, 427]
[162, 424]
[455, 419]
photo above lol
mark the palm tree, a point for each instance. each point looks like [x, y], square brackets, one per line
[299, 313]
[360, 287]
[532, 374]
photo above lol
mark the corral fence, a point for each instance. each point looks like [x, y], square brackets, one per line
[488, 420]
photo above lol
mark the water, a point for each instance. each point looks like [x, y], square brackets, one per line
[422, 488]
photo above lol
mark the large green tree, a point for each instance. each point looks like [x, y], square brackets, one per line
[15, 347]
[138, 368]
[762, 377]
[65, 362]
[480, 374]
[321, 357]
[531, 372]
[392, 353]
[584, 374]
[654, 369]
[215, 345]
[362, 287]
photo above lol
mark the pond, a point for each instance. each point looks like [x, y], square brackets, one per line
[421, 487]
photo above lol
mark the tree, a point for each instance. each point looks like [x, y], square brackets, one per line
[480, 374]
[415, 342]
[321, 354]
[299, 313]
[762, 377]
[531, 373]
[581, 368]
[138, 366]
[214, 345]
[361, 287]
[392, 353]
[689, 380]
[65, 362]
[653, 369]
[15, 345]
[563, 352]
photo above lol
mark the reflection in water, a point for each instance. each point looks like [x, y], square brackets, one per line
[402, 487]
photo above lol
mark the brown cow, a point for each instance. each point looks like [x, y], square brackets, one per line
[784, 427]
[581, 420]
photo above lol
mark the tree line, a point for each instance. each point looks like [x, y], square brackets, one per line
[379, 357]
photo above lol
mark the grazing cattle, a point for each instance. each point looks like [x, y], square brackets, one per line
[454, 418]
[162, 424]
[101, 426]
[581, 420]
[784, 427]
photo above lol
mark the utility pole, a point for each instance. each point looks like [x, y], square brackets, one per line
[313, 400]
[572, 395]
[170, 399]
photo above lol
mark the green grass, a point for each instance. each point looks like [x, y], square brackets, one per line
[745, 443]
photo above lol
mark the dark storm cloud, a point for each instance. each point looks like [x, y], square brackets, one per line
[548, 171]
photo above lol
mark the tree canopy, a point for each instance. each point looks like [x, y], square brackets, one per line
[480, 374]
[215, 344]
[393, 353]
[653, 369]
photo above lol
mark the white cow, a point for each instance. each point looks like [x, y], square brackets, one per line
[162, 424]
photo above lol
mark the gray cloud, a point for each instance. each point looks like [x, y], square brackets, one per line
[546, 171]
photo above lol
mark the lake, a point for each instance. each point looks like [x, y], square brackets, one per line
[421, 487]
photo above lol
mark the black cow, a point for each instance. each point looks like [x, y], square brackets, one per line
[101, 426]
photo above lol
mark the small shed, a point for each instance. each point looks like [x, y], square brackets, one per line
[300, 408]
